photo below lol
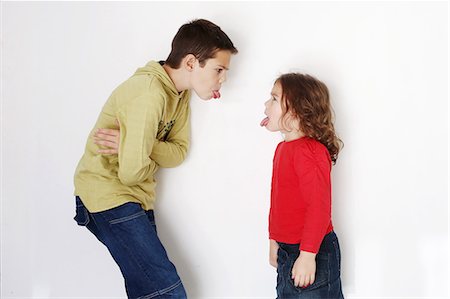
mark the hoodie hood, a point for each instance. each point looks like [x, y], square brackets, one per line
[155, 68]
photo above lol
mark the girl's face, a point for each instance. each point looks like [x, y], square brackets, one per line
[273, 110]
[274, 120]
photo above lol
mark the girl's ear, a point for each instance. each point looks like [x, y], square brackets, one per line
[189, 62]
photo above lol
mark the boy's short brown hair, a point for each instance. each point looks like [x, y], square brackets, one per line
[200, 38]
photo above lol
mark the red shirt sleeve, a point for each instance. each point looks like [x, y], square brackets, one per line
[313, 166]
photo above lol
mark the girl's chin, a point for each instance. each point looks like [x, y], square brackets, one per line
[268, 128]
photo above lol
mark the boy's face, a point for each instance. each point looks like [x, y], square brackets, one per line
[207, 80]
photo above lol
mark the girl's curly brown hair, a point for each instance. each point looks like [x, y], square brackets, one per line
[307, 99]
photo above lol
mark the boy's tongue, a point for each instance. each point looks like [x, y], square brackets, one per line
[264, 122]
[216, 94]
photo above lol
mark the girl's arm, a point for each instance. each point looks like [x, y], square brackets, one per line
[315, 180]
[273, 253]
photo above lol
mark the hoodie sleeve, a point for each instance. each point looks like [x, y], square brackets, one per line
[139, 120]
[173, 150]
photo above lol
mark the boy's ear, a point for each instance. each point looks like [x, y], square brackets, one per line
[189, 62]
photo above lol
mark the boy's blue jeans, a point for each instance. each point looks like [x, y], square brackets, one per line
[327, 282]
[130, 235]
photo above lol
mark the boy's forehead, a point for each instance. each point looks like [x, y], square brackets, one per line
[222, 59]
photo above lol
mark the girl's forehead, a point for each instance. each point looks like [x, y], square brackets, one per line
[276, 89]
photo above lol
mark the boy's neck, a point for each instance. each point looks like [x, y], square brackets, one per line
[178, 77]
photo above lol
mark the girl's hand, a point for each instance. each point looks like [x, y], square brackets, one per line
[304, 269]
[273, 253]
[109, 138]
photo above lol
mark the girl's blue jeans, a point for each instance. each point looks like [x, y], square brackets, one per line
[129, 233]
[327, 282]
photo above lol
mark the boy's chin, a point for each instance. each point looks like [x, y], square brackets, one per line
[205, 98]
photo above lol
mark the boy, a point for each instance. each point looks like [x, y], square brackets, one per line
[115, 193]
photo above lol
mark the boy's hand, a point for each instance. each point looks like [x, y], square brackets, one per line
[109, 138]
[273, 253]
[304, 269]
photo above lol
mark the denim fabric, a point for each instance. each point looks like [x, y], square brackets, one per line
[130, 235]
[327, 282]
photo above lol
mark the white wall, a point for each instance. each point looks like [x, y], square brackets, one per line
[386, 65]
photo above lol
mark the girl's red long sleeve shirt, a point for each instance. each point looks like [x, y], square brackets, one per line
[300, 205]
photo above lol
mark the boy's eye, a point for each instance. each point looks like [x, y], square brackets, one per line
[219, 70]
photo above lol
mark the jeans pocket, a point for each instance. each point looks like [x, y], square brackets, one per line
[81, 213]
[338, 253]
[281, 256]
[322, 272]
[321, 276]
[128, 218]
[283, 272]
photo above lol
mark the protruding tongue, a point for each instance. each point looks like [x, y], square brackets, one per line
[216, 94]
[264, 122]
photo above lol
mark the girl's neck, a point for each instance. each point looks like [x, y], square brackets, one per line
[293, 135]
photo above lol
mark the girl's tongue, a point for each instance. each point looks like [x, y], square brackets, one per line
[264, 122]
[216, 94]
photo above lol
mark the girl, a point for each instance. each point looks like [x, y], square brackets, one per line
[303, 246]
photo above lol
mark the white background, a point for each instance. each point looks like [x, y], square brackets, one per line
[386, 65]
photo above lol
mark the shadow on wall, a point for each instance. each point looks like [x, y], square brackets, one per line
[174, 246]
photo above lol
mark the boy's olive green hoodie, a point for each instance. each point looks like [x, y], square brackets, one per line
[154, 131]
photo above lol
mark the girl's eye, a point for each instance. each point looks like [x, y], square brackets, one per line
[273, 99]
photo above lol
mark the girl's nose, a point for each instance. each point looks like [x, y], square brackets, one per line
[223, 78]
